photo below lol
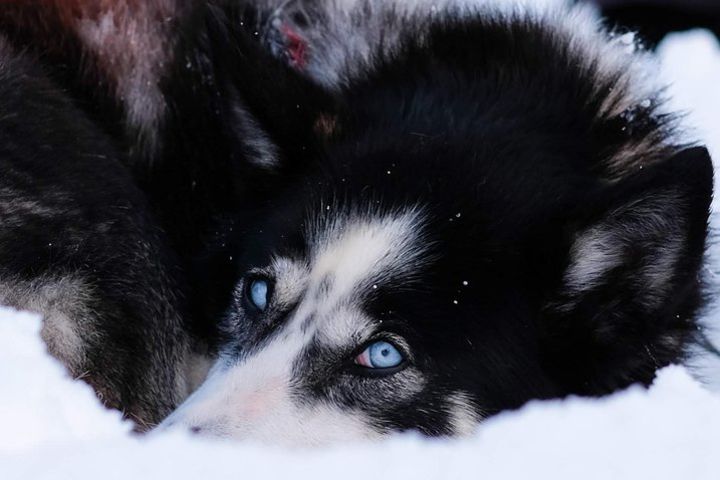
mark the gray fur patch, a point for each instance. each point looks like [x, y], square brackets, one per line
[262, 151]
[649, 222]
[65, 304]
[132, 42]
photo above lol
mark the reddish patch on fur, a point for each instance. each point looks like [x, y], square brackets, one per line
[296, 47]
[53, 26]
[119, 48]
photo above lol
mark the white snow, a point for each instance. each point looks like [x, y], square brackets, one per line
[53, 428]
[691, 67]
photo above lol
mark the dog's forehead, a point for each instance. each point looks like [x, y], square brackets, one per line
[350, 258]
[350, 251]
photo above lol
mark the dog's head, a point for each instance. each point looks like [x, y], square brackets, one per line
[417, 301]
[482, 230]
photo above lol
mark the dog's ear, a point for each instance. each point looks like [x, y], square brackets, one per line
[631, 283]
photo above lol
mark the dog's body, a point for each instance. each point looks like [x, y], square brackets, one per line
[79, 245]
[178, 145]
[477, 209]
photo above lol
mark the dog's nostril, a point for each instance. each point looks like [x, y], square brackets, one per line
[195, 429]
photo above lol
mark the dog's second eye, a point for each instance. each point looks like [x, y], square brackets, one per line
[257, 293]
[380, 354]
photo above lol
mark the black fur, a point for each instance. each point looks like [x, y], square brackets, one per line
[169, 202]
[461, 129]
[517, 146]
[201, 168]
[80, 245]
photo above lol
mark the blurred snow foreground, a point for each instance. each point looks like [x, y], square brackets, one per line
[53, 428]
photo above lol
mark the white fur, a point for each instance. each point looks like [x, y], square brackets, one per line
[358, 251]
[290, 280]
[343, 327]
[594, 253]
[254, 401]
[464, 418]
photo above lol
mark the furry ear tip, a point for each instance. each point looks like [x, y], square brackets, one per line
[702, 154]
[695, 159]
[696, 151]
[689, 172]
[699, 172]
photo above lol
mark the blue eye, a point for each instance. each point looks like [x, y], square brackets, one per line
[257, 293]
[380, 354]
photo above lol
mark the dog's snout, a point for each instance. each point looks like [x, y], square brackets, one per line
[179, 424]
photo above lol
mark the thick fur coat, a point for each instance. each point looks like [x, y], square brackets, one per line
[496, 194]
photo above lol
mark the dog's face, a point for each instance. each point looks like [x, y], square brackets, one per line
[358, 314]
[399, 291]
[328, 345]
[339, 341]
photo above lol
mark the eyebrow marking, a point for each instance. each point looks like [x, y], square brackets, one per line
[358, 250]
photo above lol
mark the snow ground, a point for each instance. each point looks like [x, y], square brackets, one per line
[53, 428]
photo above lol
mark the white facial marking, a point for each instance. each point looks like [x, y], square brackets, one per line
[255, 397]
[254, 400]
[464, 418]
[290, 280]
[345, 326]
[357, 252]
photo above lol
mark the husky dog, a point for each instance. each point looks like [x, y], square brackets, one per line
[457, 211]
[496, 208]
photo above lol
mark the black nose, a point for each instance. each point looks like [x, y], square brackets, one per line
[195, 429]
